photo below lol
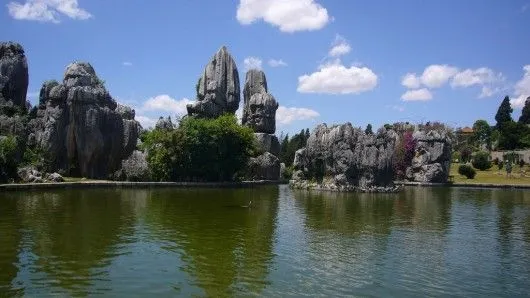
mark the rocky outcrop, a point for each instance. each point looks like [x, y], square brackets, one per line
[30, 174]
[218, 88]
[80, 127]
[342, 157]
[13, 89]
[164, 123]
[259, 110]
[134, 168]
[264, 167]
[13, 75]
[432, 158]
[259, 113]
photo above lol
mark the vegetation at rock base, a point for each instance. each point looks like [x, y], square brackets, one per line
[8, 160]
[404, 152]
[290, 145]
[467, 170]
[481, 161]
[200, 150]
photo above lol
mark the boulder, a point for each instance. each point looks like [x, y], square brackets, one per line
[218, 88]
[268, 143]
[259, 111]
[432, 158]
[80, 127]
[347, 157]
[30, 174]
[54, 177]
[264, 167]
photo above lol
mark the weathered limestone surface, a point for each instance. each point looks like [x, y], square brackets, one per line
[80, 127]
[218, 88]
[342, 157]
[259, 113]
[432, 159]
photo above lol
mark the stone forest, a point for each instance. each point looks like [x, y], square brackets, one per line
[79, 130]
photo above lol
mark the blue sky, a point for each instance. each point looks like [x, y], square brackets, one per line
[334, 61]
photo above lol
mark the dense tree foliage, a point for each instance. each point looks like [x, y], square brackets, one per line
[290, 145]
[467, 170]
[482, 134]
[200, 150]
[481, 161]
[8, 160]
[525, 113]
[504, 113]
[369, 130]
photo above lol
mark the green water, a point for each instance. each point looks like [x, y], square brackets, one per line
[201, 242]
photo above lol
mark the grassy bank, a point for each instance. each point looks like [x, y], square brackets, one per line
[519, 176]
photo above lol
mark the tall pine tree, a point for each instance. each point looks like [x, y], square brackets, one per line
[504, 113]
[525, 114]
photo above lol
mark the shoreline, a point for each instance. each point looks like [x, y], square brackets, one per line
[241, 184]
[124, 184]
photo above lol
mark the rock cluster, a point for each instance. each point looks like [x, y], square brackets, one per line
[342, 157]
[432, 157]
[259, 113]
[218, 88]
[31, 175]
[80, 127]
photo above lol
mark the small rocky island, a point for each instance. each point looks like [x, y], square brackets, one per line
[78, 129]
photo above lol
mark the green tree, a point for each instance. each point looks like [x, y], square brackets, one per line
[200, 150]
[512, 135]
[482, 133]
[8, 158]
[368, 129]
[481, 161]
[504, 113]
[525, 113]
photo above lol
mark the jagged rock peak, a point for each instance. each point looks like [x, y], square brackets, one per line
[259, 111]
[255, 82]
[80, 74]
[218, 89]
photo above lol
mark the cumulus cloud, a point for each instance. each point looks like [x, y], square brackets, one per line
[127, 63]
[277, 63]
[145, 121]
[288, 16]
[287, 115]
[522, 89]
[479, 76]
[435, 76]
[411, 81]
[166, 103]
[335, 78]
[252, 63]
[417, 95]
[339, 47]
[47, 10]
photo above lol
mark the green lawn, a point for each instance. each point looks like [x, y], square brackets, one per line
[494, 175]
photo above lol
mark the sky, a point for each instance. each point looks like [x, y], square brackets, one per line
[326, 61]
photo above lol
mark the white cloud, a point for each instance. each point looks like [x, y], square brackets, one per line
[417, 95]
[277, 63]
[411, 81]
[397, 108]
[252, 63]
[289, 16]
[47, 10]
[479, 76]
[285, 115]
[127, 63]
[522, 89]
[335, 78]
[339, 47]
[436, 75]
[166, 103]
[145, 121]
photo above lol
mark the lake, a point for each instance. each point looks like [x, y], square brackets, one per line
[203, 242]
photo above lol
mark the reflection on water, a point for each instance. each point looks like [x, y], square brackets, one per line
[204, 242]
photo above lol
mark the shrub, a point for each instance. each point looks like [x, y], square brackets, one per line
[467, 170]
[465, 154]
[481, 161]
[500, 165]
[496, 161]
[199, 150]
[8, 160]
[521, 163]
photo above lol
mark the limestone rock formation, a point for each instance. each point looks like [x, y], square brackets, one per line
[134, 168]
[259, 113]
[13, 74]
[13, 89]
[218, 88]
[80, 127]
[264, 167]
[432, 159]
[342, 157]
[165, 124]
[30, 174]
